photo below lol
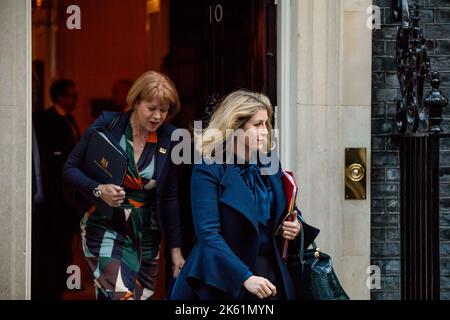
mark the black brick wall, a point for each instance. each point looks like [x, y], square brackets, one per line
[385, 235]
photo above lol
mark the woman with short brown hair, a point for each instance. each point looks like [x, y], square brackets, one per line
[123, 225]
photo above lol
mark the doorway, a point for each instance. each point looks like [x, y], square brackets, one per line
[207, 47]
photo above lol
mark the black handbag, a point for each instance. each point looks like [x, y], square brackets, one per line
[313, 276]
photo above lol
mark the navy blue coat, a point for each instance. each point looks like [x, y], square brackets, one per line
[227, 235]
[167, 205]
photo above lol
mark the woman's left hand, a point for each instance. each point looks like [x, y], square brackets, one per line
[291, 229]
[177, 261]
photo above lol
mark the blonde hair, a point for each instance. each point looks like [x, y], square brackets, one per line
[153, 85]
[232, 113]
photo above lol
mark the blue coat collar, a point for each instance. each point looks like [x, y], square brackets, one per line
[237, 195]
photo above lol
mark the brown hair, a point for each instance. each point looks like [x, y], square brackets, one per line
[153, 85]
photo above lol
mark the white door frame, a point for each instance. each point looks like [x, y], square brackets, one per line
[29, 116]
[287, 53]
[16, 142]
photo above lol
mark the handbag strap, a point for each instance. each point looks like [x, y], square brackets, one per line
[302, 243]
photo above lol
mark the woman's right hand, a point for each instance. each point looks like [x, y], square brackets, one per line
[112, 194]
[261, 287]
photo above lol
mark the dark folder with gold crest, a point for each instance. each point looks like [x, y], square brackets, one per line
[105, 161]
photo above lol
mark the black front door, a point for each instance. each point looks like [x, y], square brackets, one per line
[218, 46]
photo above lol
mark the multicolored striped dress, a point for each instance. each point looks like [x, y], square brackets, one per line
[121, 245]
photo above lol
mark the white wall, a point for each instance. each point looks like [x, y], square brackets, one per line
[15, 148]
[325, 106]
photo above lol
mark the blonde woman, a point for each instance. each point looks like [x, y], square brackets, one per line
[121, 231]
[236, 210]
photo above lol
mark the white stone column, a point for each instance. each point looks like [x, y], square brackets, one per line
[332, 93]
[15, 148]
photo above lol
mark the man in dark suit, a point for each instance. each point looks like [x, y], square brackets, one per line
[56, 133]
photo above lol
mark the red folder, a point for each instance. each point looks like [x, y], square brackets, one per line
[290, 190]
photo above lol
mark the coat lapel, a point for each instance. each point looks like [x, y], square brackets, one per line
[237, 195]
[162, 150]
[120, 126]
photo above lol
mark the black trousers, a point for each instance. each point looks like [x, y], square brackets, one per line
[50, 253]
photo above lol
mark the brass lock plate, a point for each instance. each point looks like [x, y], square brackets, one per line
[355, 173]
